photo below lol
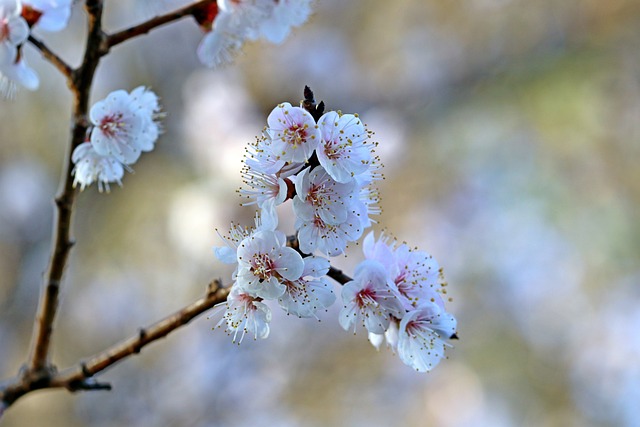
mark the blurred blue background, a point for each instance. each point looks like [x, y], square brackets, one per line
[510, 132]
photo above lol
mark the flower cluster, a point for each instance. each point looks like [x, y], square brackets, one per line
[16, 20]
[268, 269]
[325, 164]
[123, 126]
[240, 20]
[397, 293]
[327, 167]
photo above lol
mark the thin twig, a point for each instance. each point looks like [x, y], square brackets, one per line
[145, 27]
[73, 378]
[52, 57]
[78, 377]
[80, 83]
[338, 275]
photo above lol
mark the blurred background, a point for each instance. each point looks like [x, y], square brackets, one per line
[510, 134]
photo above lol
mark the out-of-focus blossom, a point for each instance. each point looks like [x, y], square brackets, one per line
[14, 31]
[238, 21]
[285, 15]
[49, 15]
[91, 166]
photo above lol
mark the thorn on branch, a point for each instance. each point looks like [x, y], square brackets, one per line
[85, 371]
[90, 384]
[142, 335]
[213, 287]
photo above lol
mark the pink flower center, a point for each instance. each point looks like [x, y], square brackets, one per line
[262, 266]
[333, 149]
[315, 195]
[248, 303]
[365, 297]
[112, 125]
[296, 134]
[401, 281]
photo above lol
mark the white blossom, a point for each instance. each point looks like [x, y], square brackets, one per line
[311, 292]
[285, 15]
[421, 336]
[14, 31]
[260, 159]
[261, 187]
[148, 105]
[415, 273]
[331, 240]
[343, 151]
[245, 314]
[320, 195]
[241, 20]
[264, 261]
[17, 72]
[125, 124]
[370, 298]
[266, 219]
[91, 166]
[293, 133]
[220, 45]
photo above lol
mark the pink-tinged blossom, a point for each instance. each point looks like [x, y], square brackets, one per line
[245, 314]
[234, 22]
[261, 187]
[331, 240]
[344, 150]
[240, 20]
[17, 72]
[259, 158]
[125, 124]
[264, 261]
[368, 198]
[293, 133]
[148, 106]
[266, 219]
[320, 195]
[91, 166]
[311, 292]
[219, 46]
[286, 14]
[417, 276]
[421, 336]
[51, 15]
[415, 273]
[370, 299]
[14, 31]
